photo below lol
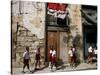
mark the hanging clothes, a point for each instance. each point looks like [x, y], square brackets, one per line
[52, 8]
[58, 10]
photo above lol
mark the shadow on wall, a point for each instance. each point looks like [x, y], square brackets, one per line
[76, 40]
[78, 61]
[77, 43]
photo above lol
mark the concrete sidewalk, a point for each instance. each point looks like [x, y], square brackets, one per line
[63, 68]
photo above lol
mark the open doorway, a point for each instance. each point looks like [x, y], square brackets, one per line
[89, 38]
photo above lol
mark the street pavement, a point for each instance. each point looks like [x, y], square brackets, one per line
[63, 68]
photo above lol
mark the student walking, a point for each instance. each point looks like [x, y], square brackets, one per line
[26, 58]
[72, 56]
[37, 58]
[53, 62]
[90, 54]
[50, 56]
[70, 52]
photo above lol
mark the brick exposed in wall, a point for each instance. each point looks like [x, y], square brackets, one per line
[26, 38]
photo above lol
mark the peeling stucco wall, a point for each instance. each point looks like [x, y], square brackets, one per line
[28, 28]
[34, 20]
[75, 36]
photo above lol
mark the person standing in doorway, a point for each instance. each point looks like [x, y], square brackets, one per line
[26, 58]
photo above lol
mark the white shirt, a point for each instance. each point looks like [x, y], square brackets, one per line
[53, 53]
[73, 49]
[70, 53]
[95, 51]
[90, 49]
[61, 14]
[26, 55]
[52, 12]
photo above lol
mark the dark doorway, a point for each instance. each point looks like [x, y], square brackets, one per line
[89, 38]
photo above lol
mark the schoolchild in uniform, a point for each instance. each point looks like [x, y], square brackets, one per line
[26, 58]
[74, 56]
[50, 56]
[90, 54]
[53, 63]
[37, 58]
[70, 57]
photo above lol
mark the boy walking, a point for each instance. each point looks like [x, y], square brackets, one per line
[53, 62]
[26, 58]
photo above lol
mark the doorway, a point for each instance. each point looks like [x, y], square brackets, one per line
[51, 41]
[89, 38]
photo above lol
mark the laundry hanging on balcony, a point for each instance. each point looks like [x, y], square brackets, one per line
[57, 9]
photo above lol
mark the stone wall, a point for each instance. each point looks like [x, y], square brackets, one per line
[27, 31]
[75, 34]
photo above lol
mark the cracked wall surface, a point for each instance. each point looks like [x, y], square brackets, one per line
[28, 29]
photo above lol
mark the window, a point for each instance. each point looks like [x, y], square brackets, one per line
[57, 14]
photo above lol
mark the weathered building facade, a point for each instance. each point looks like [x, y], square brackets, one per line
[89, 26]
[30, 27]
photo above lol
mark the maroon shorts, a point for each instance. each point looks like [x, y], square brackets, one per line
[37, 57]
[26, 61]
[90, 55]
[50, 57]
[53, 60]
